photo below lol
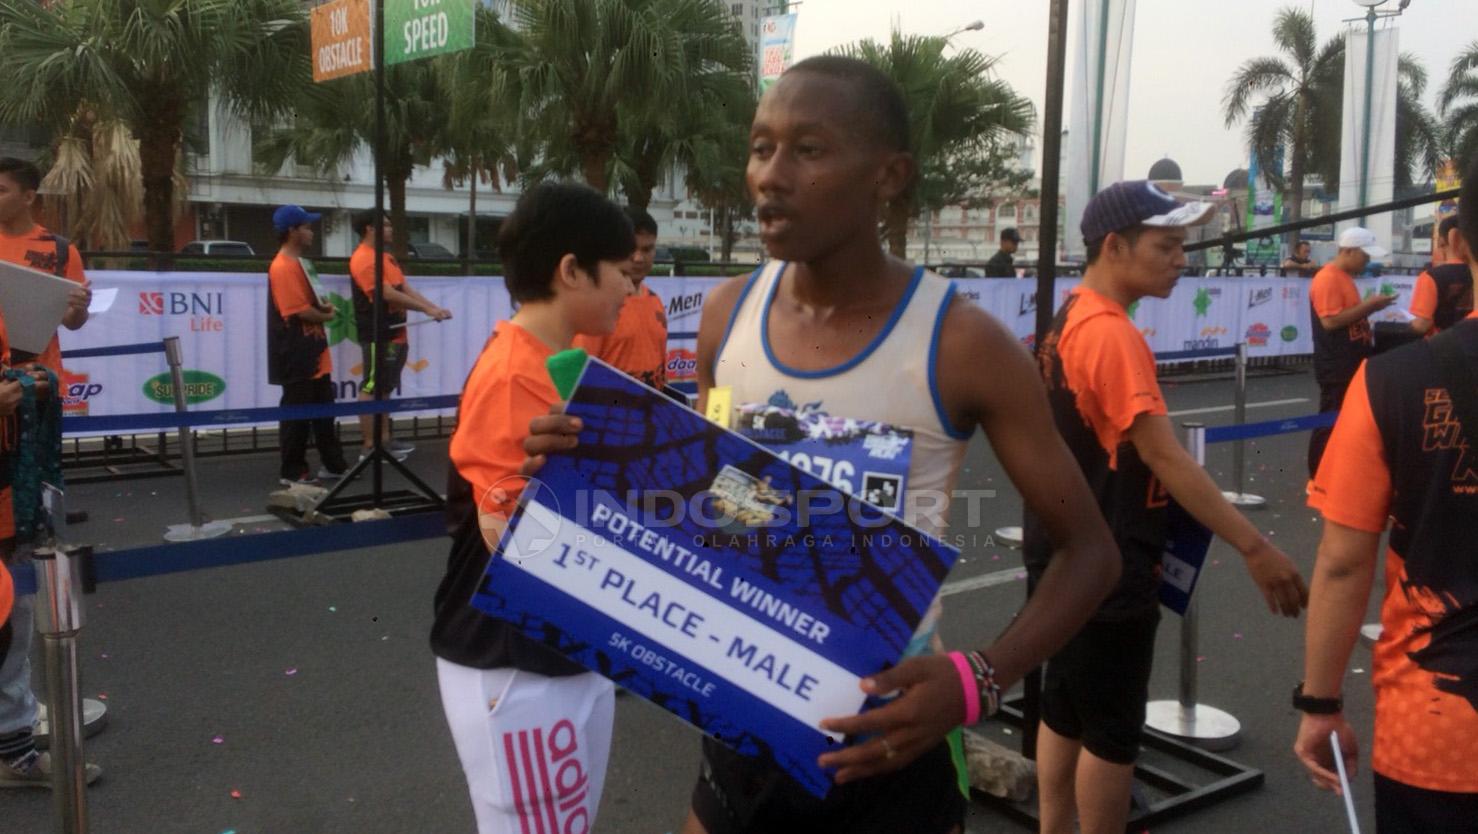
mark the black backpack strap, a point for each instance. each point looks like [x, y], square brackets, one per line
[1457, 374]
[63, 254]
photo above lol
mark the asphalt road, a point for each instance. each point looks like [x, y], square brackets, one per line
[299, 696]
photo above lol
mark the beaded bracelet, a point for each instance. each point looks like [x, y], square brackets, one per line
[969, 685]
[988, 692]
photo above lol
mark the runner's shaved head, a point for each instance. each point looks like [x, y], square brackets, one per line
[876, 99]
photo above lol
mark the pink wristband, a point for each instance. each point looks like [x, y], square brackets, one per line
[967, 682]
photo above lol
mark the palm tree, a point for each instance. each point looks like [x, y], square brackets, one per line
[957, 111]
[581, 70]
[1304, 87]
[1304, 105]
[336, 119]
[150, 65]
[1458, 105]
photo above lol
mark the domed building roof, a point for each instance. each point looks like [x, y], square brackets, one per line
[1166, 170]
[1236, 180]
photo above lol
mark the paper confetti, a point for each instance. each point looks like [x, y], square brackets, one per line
[1236, 635]
[235, 794]
[291, 672]
[102, 696]
[1200, 658]
[332, 610]
[218, 740]
[1358, 671]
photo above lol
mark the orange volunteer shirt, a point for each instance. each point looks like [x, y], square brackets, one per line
[1424, 297]
[1332, 292]
[37, 249]
[638, 345]
[1423, 736]
[508, 387]
[1109, 368]
[293, 293]
[362, 271]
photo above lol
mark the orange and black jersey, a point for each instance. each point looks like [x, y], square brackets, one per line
[1337, 353]
[1399, 452]
[638, 345]
[1100, 377]
[37, 249]
[362, 287]
[297, 350]
[509, 386]
[1438, 291]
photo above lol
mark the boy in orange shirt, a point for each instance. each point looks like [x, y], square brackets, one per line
[297, 351]
[25, 242]
[512, 703]
[399, 297]
[638, 345]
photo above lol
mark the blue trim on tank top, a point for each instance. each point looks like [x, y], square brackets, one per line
[939, 411]
[734, 316]
[876, 342]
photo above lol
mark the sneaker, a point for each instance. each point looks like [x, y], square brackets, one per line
[38, 775]
[326, 474]
[400, 447]
[400, 456]
[302, 480]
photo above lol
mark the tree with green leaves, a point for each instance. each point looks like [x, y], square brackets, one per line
[150, 65]
[960, 120]
[1303, 89]
[1458, 104]
[580, 71]
[1302, 103]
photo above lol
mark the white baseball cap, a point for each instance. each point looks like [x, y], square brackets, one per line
[1358, 237]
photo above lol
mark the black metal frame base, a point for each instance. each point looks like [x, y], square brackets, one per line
[1230, 779]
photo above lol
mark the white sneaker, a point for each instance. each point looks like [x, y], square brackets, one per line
[38, 775]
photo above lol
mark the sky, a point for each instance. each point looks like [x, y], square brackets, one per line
[1184, 53]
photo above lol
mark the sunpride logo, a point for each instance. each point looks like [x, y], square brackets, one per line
[199, 387]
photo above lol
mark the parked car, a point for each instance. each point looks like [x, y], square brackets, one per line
[217, 247]
[428, 252]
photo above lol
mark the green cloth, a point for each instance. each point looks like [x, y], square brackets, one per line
[38, 456]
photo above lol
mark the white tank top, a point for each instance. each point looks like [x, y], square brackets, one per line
[873, 426]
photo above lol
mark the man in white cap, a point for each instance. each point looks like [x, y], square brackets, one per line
[1341, 325]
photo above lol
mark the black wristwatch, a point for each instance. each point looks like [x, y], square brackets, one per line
[1316, 706]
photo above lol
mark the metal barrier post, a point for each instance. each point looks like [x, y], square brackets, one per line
[197, 528]
[1239, 449]
[59, 620]
[1206, 727]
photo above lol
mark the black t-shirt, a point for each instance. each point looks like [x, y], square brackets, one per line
[1000, 265]
[1453, 283]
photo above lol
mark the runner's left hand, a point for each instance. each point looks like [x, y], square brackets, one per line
[79, 297]
[1281, 585]
[931, 704]
[1313, 749]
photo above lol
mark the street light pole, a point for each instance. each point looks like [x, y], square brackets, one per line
[1369, 89]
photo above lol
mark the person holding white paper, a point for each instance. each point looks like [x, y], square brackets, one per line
[24, 241]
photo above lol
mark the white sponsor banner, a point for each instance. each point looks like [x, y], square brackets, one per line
[1100, 107]
[1378, 138]
[221, 321]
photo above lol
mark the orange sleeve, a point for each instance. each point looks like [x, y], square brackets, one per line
[1424, 297]
[1112, 374]
[1327, 294]
[289, 287]
[488, 447]
[362, 271]
[1353, 485]
[592, 345]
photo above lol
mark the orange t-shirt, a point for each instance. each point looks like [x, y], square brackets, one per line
[1424, 297]
[1332, 292]
[508, 387]
[1423, 736]
[1108, 367]
[37, 249]
[293, 293]
[638, 345]
[362, 271]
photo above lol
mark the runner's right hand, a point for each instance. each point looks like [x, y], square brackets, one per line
[10, 397]
[554, 432]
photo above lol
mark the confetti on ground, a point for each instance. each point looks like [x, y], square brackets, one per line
[1236, 635]
[218, 740]
[235, 794]
[118, 520]
[332, 610]
[1200, 657]
[996, 558]
[102, 696]
[291, 672]
[1359, 671]
[1007, 730]
[1215, 561]
[104, 655]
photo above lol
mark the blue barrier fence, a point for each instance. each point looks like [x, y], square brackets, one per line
[1188, 355]
[230, 417]
[115, 350]
[1267, 428]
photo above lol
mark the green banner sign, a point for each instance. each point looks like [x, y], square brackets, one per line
[416, 29]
